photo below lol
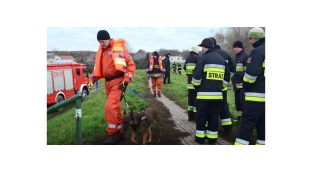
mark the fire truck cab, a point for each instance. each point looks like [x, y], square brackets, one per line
[64, 80]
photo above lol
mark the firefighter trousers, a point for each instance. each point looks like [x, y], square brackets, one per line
[112, 108]
[191, 104]
[254, 115]
[225, 114]
[207, 110]
[239, 102]
[156, 82]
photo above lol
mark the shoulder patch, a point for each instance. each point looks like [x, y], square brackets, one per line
[118, 48]
[249, 60]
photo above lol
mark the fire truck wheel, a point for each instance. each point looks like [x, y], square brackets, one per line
[84, 95]
[59, 99]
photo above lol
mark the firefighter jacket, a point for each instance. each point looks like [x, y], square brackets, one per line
[226, 57]
[189, 66]
[210, 75]
[240, 63]
[254, 78]
[114, 61]
[155, 67]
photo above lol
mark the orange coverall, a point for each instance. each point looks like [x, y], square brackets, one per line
[112, 109]
[155, 69]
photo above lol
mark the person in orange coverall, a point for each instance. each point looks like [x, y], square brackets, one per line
[155, 70]
[113, 63]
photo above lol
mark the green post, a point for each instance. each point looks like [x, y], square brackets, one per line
[78, 121]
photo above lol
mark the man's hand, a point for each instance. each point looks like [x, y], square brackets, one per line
[163, 74]
[123, 86]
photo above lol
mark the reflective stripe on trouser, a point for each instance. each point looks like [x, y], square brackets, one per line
[253, 115]
[156, 82]
[239, 101]
[208, 111]
[191, 103]
[255, 97]
[112, 108]
[225, 114]
[209, 95]
[260, 142]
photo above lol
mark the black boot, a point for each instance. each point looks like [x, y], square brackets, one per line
[190, 116]
[159, 95]
[200, 140]
[155, 95]
[112, 139]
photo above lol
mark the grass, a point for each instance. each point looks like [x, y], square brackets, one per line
[61, 129]
[178, 92]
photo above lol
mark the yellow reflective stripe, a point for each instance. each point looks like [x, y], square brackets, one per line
[224, 88]
[239, 85]
[196, 82]
[249, 78]
[212, 134]
[239, 141]
[200, 134]
[194, 110]
[227, 121]
[260, 142]
[190, 86]
[239, 113]
[120, 61]
[264, 65]
[239, 67]
[209, 95]
[255, 97]
[190, 108]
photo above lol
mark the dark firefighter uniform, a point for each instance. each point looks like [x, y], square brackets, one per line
[179, 68]
[208, 77]
[254, 88]
[240, 63]
[189, 67]
[174, 67]
[225, 114]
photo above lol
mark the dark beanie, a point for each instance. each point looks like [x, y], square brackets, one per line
[155, 53]
[238, 44]
[103, 35]
[214, 41]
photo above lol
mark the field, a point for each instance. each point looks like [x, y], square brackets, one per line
[61, 127]
[177, 92]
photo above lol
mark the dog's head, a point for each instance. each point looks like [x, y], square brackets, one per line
[129, 120]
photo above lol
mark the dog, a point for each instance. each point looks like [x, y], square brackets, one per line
[141, 122]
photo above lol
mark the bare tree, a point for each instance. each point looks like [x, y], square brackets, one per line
[129, 47]
[54, 50]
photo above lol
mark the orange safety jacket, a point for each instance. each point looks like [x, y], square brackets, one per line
[123, 63]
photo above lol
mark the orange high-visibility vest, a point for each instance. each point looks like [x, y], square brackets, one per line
[151, 65]
[118, 48]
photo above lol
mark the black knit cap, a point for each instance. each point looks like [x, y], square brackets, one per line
[155, 53]
[238, 44]
[214, 41]
[103, 35]
[207, 43]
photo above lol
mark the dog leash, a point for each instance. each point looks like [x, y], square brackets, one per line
[123, 94]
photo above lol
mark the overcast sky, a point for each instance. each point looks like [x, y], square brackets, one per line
[147, 38]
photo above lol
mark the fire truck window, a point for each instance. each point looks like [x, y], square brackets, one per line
[85, 72]
[78, 72]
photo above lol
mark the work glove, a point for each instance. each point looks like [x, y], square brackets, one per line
[123, 86]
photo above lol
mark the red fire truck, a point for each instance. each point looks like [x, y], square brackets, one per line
[65, 80]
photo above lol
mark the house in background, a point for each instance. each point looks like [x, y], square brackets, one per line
[67, 57]
[65, 61]
[90, 60]
[176, 59]
[51, 57]
[141, 54]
